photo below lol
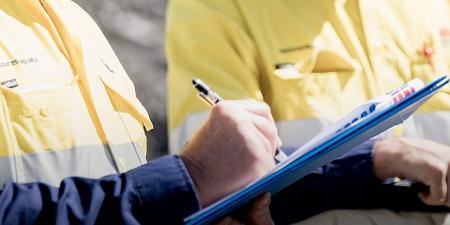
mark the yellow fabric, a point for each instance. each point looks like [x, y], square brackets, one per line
[60, 60]
[341, 53]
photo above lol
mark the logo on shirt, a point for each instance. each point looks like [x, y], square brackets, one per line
[10, 83]
[16, 62]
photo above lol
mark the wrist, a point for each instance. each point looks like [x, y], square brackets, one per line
[195, 171]
[387, 156]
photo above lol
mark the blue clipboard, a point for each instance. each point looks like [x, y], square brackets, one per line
[320, 155]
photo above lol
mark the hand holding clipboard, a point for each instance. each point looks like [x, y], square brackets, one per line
[321, 152]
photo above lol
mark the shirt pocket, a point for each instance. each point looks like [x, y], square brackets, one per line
[132, 113]
[123, 98]
[43, 116]
[322, 83]
[317, 62]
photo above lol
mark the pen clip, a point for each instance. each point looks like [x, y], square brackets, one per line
[206, 99]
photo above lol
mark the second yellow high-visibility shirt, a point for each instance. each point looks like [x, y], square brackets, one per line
[311, 61]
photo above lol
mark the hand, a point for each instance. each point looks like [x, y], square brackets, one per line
[235, 146]
[421, 160]
[258, 215]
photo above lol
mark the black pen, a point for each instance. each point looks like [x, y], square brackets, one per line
[212, 98]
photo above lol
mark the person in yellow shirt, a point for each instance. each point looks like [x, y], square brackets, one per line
[165, 190]
[67, 107]
[313, 62]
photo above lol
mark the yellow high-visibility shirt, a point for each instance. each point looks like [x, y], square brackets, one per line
[311, 61]
[67, 107]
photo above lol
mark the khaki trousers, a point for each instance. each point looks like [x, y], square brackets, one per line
[377, 217]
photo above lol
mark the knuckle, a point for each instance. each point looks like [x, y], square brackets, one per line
[267, 110]
[269, 146]
[274, 140]
[261, 171]
[221, 109]
[266, 107]
[224, 112]
[273, 147]
[238, 123]
[437, 172]
[274, 135]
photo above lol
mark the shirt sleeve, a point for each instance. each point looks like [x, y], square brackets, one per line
[160, 192]
[348, 182]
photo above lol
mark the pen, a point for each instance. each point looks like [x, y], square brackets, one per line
[212, 98]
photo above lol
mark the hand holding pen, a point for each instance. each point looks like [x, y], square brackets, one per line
[212, 98]
[235, 146]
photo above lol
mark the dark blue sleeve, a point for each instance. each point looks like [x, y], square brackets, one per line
[159, 192]
[346, 183]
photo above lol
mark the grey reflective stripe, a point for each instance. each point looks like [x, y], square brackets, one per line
[53, 166]
[6, 172]
[434, 126]
[294, 133]
[180, 135]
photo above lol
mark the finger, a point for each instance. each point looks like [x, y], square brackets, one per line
[260, 212]
[268, 130]
[279, 142]
[440, 192]
[427, 199]
[431, 171]
[256, 107]
[436, 178]
[437, 195]
[265, 154]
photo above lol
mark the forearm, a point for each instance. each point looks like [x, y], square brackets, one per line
[329, 187]
[346, 183]
[159, 193]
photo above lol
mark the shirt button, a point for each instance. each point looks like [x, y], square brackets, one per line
[44, 112]
[314, 90]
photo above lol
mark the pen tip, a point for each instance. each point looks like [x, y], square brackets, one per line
[194, 82]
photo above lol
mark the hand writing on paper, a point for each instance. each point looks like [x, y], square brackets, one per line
[235, 146]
